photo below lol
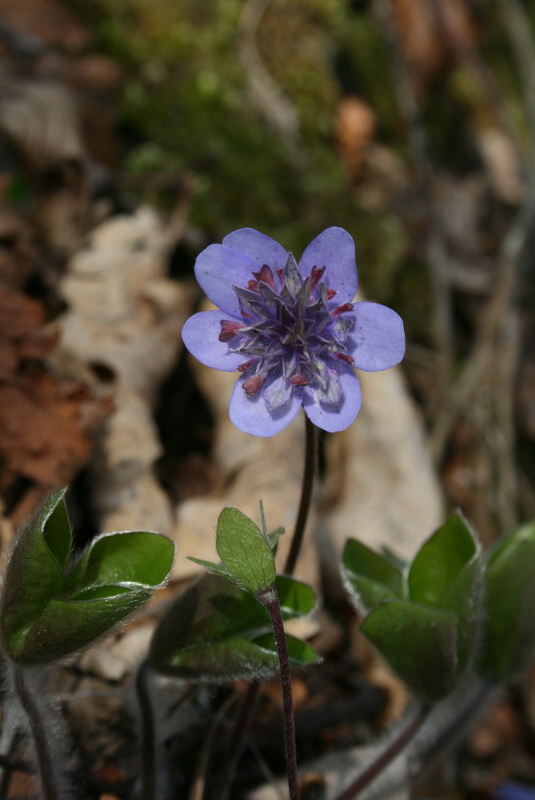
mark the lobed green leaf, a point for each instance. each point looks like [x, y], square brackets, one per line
[440, 560]
[508, 645]
[419, 642]
[215, 632]
[245, 551]
[52, 605]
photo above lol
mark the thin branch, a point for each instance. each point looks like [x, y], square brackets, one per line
[272, 102]
[437, 257]
[392, 751]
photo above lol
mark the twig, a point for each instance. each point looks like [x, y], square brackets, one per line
[447, 724]
[199, 782]
[518, 26]
[505, 375]
[393, 750]
[483, 351]
[148, 761]
[243, 722]
[42, 741]
[271, 101]
[439, 265]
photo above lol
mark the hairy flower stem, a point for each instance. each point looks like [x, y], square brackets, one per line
[41, 738]
[270, 601]
[311, 446]
[377, 766]
[148, 761]
[251, 697]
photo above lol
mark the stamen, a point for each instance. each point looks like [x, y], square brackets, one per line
[229, 329]
[266, 276]
[245, 365]
[346, 357]
[316, 275]
[252, 285]
[343, 309]
[331, 293]
[299, 380]
[252, 384]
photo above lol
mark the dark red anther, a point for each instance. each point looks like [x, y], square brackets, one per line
[343, 309]
[252, 285]
[252, 385]
[266, 276]
[331, 293]
[229, 329]
[346, 357]
[299, 380]
[245, 365]
[280, 273]
[316, 274]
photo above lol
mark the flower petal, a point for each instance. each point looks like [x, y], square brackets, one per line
[263, 249]
[251, 415]
[200, 334]
[377, 340]
[277, 393]
[335, 249]
[217, 269]
[330, 417]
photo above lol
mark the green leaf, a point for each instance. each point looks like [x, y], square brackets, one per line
[508, 645]
[465, 597]
[68, 625]
[57, 532]
[420, 643]
[51, 605]
[209, 565]
[33, 573]
[130, 557]
[297, 599]
[273, 538]
[300, 654]
[244, 551]
[371, 578]
[211, 632]
[440, 560]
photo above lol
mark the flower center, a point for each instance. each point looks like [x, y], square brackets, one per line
[289, 334]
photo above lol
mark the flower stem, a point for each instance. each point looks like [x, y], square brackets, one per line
[251, 697]
[270, 601]
[377, 766]
[311, 439]
[42, 741]
[147, 732]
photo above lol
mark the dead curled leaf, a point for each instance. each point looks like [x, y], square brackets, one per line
[45, 425]
[41, 437]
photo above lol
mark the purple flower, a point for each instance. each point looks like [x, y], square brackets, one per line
[290, 329]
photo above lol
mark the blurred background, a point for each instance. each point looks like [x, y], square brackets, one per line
[134, 133]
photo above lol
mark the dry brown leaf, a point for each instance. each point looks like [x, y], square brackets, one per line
[426, 28]
[48, 20]
[355, 126]
[41, 436]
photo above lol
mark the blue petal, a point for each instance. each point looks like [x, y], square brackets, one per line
[277, 393]
[217, 269]
[200, 334]
[330, 417]
[377, 340]
[251, 414]
[263, 249]
[334, 249]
